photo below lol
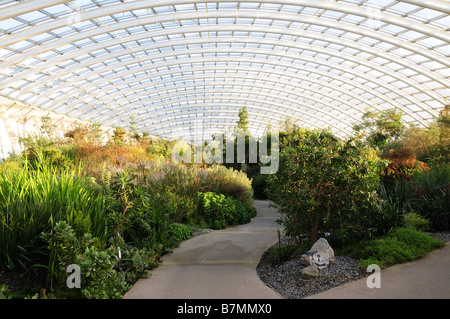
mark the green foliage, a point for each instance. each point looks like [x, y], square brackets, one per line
[174, 186]
[230, 182]
[243, 119]
[33, 200]
[219, 210]
[259, 184]
[119, 134]
[392, 206]
[429, 194]
[398, 246]
[381, 127]
[281, 253]
[79, 202]
[179, 232]
[99, 279]
[324, 184]
[278, 255]
[415, 221]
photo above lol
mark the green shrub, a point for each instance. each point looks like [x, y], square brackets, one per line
[398, 246]
[429, 195]
[324, 184]
[99, 279]
[259, 183]
[174, 186]
[179, 232]
[282, 253]
[229, 182]
[415, 221]
[218, 210]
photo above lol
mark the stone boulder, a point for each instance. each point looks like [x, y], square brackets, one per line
[309, 272]
[319, 255]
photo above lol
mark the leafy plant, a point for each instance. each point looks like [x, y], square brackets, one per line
[179, 232]
[218, 210]
[380, 127]
[99, 279]
[400, 245]
[33, 200]
[415, 221]
[281, 253]
[325, 185]
[429, 195]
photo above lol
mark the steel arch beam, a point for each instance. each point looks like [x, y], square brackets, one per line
[143, 4]
[249, 92]
[276, 63]
[144, 48]
[196, 113]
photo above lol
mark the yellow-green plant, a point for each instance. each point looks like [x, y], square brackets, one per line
[33, 200]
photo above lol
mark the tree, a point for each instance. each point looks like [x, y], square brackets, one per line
[133, 129]
[324, 184]
[47, 127]
[243, 120]
[381, 127]
[119, 134]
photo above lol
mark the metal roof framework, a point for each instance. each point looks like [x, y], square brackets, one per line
[184, 68]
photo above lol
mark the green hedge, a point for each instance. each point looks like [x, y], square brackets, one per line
[218, 211]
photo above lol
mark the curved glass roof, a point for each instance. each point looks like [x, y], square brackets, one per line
[184, 68]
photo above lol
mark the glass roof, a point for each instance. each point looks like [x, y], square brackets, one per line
[184, 68]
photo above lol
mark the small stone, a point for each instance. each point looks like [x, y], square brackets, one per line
[310, 272]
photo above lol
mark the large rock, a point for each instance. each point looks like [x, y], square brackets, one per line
[319, 255]
[310, 272]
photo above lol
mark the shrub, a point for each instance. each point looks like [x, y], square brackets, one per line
[393, 201]
[119, 134]
[429, 195]
[99, 279]
[218, 210]
[403, 164]
[400, 245]
[174, 186]
[325, 185]
[230, 182]
[281, 253]
[415, 221]
[259, 183]
[179, 232]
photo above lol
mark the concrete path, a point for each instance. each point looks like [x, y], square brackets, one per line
[217, 265]
[425, 278]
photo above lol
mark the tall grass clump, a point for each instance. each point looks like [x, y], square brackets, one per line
[33, 200]
[429, 194]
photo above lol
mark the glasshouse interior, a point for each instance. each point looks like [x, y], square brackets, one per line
[135, 133]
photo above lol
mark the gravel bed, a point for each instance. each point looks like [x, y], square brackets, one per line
[442, 236]
[287, 281]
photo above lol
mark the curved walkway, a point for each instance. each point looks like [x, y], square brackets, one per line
[217, 265]
[222, 265]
